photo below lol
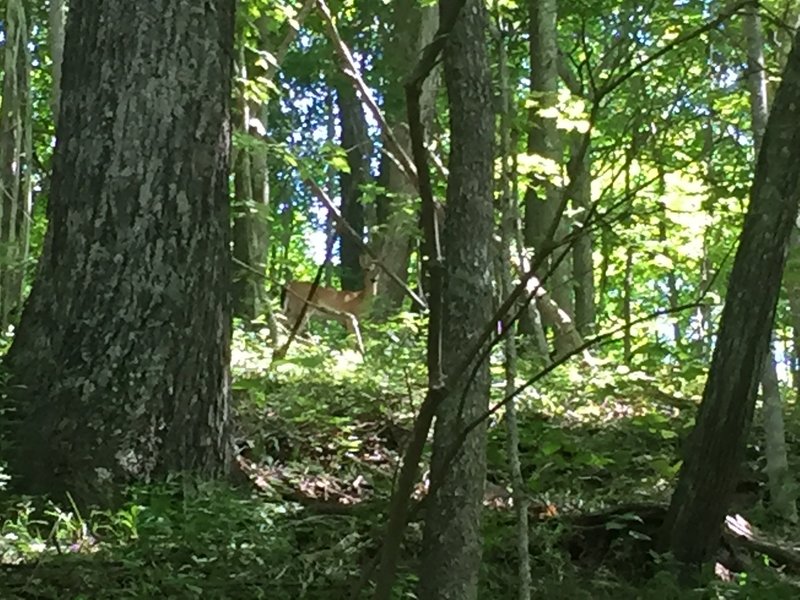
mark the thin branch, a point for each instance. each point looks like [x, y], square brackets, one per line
[436, 478]
[350, 69]
[291, 35]
[681, 39]
[323, 197]
[281, 352]
[437, 389]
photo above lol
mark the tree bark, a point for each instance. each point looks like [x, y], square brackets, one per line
[543, 139]
[251, 215]
[782, 488]
[413, 28]
[508, 229]
[582, 252]
[55, 39]
[780, 481]
[452, 536]
[119, 369]
[716, 446]
[356, 143]
[15, 152]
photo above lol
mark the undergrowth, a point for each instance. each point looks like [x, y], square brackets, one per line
[322, 433]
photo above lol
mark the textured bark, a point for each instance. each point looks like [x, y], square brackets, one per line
[716, 447]
[413, 28]
[55, 40]
[544, 140]
[508, 230]
[782, 490]
[15, 152]
[582, 253]
[451, 539]
[251, 215]
[398, 224]
[119, 369]
[356, 143]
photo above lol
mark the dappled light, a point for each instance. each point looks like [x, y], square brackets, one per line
[336, 299]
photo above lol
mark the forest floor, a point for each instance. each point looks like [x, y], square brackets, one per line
[320, 435]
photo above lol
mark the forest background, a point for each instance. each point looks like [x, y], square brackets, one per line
[621, 162]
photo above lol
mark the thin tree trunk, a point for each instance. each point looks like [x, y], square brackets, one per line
[413, 28]
[542, 197]
[119, 368]
[55, 38]
[251, 233]
[782, 486]
[452, 533]
[508, 226]
[793, 293]
[582, 252]
[15, 201]
[627, 291]
[703, 343]
[531, 319]
[356, 143]
[672, 284]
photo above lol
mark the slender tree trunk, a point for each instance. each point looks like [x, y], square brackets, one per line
[15, 152]
[398, 226]
[793, 293]
[531, 321]
[542, 198]
[627, 291]
[703, 343]
[251, 214]
[582, 252]
[782, 487]
[356, 143]
[672, 283]
[119, 368]
[332, 173]
[413, 28]
[782, 490]
[606, 248]
[716, 446]
[508, 226]
[55, 38]
[452, 533]
[583, 249]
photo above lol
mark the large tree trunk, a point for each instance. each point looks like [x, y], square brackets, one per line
[119, 369]
[452, 535]
[708, 476]
[782, 492]
[15, 155]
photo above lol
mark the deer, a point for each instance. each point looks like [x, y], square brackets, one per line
[346, 307]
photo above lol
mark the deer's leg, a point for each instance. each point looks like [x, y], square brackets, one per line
[293, 313]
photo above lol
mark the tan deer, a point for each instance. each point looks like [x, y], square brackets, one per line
[329, 303]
